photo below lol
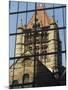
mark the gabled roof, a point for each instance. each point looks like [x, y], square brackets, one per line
[43, 17]
[25, 53]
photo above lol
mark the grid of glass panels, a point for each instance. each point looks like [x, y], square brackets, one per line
[21, 12]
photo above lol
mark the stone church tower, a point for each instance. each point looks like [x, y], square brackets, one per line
[46, 42]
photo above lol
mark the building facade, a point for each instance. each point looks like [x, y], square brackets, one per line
[38, 45]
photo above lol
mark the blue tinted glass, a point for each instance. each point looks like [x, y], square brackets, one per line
[22, 6]
[13, 6]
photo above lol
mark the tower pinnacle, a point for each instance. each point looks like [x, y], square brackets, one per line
[40, 5]
[21, 20]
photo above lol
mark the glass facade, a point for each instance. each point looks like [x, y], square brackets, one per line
[37, 44]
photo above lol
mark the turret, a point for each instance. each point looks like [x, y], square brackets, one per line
[20, 40]
[53, 47]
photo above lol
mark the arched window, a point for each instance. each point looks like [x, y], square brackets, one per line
[26, 81]
[15, 84]
[26, 78]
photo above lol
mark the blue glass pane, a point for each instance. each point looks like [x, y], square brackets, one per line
[12, 23]
[12, 46]
[62, 38]
[50, 13]
[30, 16]
[13, 6]
[22, 6]
[31, 6]
[48, 5]
[59, 17]
[22, 17]
[57, 5]
[63, 60]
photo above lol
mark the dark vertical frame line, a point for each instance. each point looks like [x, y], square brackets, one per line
[64, 31]
[26, 15]
[9, 36]
[25, 35]
[54, 32]
[9, 6]
[53, 12]
[63, 18]
[44, 14]
[15, 41]
[35, 44]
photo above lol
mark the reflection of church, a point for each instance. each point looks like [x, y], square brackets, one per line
[43, 70]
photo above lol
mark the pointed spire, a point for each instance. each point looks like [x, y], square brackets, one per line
[20, 25]
[21, 20]
[57, 21]
[42, 16]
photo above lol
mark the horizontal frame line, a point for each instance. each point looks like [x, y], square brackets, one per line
[11, 13]
[37, 55]
[59, 28]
